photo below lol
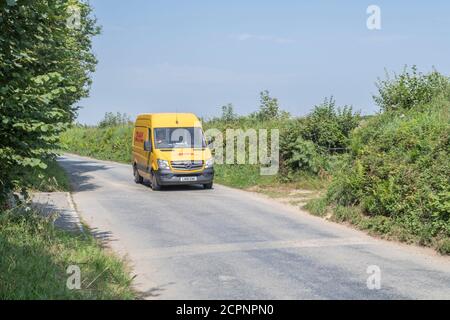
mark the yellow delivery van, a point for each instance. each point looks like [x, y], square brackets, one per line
[170, 149]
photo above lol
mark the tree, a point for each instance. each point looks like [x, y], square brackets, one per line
[45, 68]
[228, 114]
[113, 120]
[268, 108]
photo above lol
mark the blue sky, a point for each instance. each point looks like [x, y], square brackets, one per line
[195, 56]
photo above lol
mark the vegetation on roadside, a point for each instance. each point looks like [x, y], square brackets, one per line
[35, 257]
[397, 180]
[45, 68]
[51, 179]
[387, 173]
[304, 149]
[106, 143]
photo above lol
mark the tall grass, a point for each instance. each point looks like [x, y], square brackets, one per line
[399, 174]
[35, 257]
[51, 179]
[396, 181]
[109, 143]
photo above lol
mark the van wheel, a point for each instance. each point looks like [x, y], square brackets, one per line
[208, 185]
[155, 185]
[137, 177]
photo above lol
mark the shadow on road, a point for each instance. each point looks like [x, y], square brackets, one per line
[153, 292]
[177, 188]
[103, 237]
[77, 173]
[61, 216]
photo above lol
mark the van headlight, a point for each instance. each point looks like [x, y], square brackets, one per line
[209, 163]
[163, 164]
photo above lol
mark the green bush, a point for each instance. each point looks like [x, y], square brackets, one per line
[45, 68]
[399, 169]
[329, 126]
[309, 144]
[317, 206]
[303, 156]
[410, 89]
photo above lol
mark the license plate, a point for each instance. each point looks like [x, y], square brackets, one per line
[188, 179]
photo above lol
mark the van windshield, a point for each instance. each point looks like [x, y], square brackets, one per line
[174, 138]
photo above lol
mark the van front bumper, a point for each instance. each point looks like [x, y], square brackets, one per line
[169, 178]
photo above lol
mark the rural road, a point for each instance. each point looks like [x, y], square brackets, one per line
[190, 243]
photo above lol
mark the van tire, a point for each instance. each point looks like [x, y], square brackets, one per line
[137, 177]
[208, 186]
[155, 184]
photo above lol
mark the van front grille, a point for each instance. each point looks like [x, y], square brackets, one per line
[187, 165]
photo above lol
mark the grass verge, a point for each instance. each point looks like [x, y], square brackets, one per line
[35, 257]
[52, 179]
[248, 176]
[377, 225]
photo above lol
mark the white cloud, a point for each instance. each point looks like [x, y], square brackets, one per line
[256, 37]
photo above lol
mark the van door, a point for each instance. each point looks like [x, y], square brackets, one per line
[149, 154]
[140, 155]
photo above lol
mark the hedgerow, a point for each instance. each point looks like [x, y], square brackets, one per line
[399, 165]
[45, 67]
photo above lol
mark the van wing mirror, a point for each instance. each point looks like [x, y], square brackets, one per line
[148, 146]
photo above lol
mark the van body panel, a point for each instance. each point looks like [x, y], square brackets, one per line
[184, 162]
[170, 120]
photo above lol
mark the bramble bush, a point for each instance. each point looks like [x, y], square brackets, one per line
[304, 156]
[399, 166]
[409, 89]
[329, 126]
[308, 144]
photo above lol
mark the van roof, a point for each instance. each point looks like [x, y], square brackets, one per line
[171, 119]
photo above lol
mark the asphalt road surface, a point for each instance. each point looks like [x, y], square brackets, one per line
[191, 243]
